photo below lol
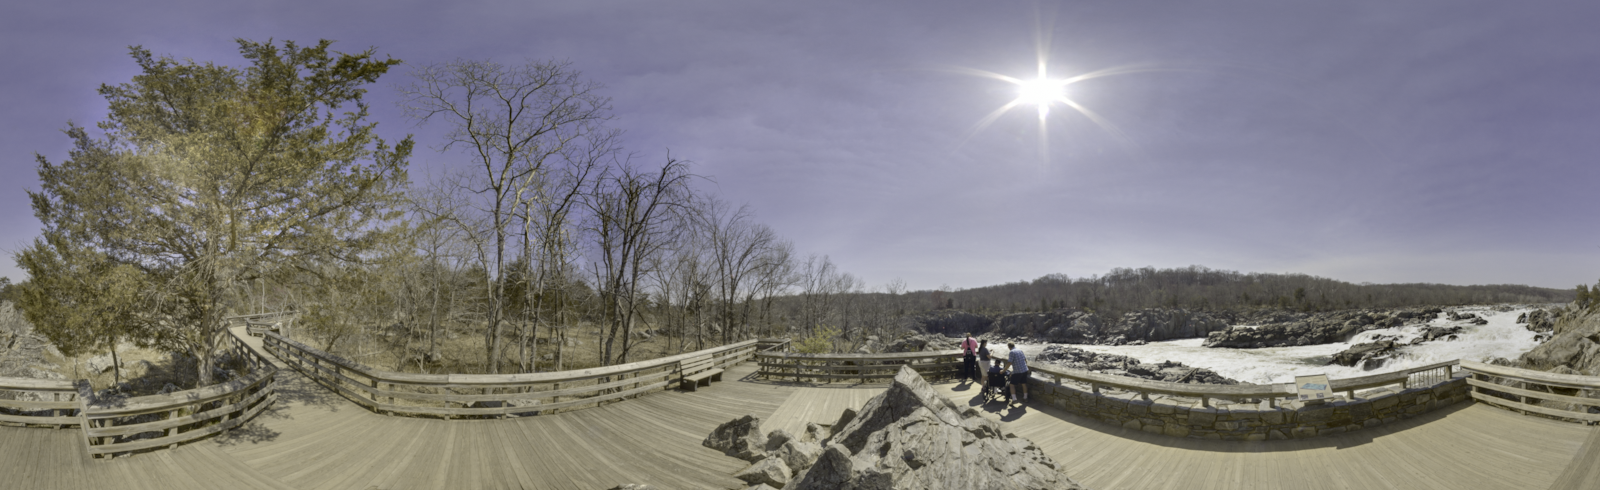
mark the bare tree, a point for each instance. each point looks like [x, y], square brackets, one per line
[630, 223]
[513, 122]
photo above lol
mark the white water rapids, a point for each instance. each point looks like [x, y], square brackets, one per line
[1501, 337]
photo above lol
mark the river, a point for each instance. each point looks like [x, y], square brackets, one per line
[1501, 337]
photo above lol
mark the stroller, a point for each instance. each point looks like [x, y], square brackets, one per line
[995, 388]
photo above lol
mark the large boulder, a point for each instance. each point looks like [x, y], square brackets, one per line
[741, 438]
[1369, 355]
[910, 437]
[767, 471]
[916, 343]
[1538, 321]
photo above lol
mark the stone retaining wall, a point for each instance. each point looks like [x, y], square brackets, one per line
[1248, 422]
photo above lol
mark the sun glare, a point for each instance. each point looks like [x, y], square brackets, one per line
[1040, 92]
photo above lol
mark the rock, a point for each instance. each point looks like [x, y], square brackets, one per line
[740, 438]
[797, 455]
[169, 388]
[1437, 333]
[1370, 355]
[100, 364]
[775, 439]
[908, 344]
[1173, 372]
[1538, 321]
[814, 433]
[632, 486]
[1573, 343]
[845, 417]
[870, 347]
[768, 471]
[910, 437]
[762, 486]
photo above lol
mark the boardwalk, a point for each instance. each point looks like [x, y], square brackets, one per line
[315, 440]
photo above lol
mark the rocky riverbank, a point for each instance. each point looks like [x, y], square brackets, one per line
[1286, 329]
[1247, 329]
[1172, 372]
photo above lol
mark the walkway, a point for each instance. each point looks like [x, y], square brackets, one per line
[315, 440]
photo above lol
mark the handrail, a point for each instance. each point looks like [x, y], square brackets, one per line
[57, 405]
[863, 367]
[1417, 376]
[1512, 388]
[773, 345]
[253, 316]
[154, 421]
[463, 395]
[880, 366]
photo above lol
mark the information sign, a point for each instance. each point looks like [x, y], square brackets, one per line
[1314, 387]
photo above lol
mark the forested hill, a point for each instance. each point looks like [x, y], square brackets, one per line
[1197, 287]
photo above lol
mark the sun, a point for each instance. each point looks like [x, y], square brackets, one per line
[1041, 93]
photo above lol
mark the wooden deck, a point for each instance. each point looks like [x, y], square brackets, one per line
[1468, 446]
[312, 439]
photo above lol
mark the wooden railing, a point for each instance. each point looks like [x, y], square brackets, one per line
[1271, 393]
[254, 324]
[859, 367]
[42, 402]
[772, 345]
[1523, 390]
[490, 395]
[155, 421]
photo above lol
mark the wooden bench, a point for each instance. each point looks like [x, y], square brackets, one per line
[692, 372]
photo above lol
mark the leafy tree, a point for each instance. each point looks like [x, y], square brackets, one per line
[208, 177]
[819, 342]
[79, 299]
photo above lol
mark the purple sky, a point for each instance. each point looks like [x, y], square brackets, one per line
[1421, 141]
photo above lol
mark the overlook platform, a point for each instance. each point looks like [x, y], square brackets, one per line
[314, 439]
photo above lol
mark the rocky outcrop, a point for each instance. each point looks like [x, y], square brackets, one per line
[906, 437]
[915, 343]
[951, 323]
[910, 437]
[1172, 372]
[1369, 356]
[1429, 334]
[1157, 324]
[1575, 344]
[1538, 321]
[1317, 328]
[1082, 327]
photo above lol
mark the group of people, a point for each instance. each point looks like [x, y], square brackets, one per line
[977, 359]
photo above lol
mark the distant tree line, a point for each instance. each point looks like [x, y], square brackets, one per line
[1199, 288]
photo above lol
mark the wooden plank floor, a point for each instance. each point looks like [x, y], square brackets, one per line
[1584, 471]
[1466, 446]
[312, 439]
